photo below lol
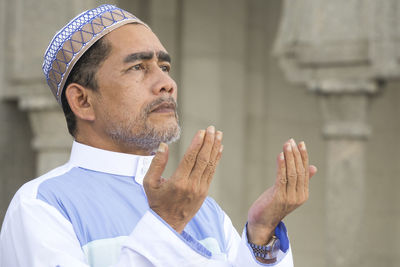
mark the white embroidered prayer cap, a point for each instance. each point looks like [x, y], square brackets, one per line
[71, 42]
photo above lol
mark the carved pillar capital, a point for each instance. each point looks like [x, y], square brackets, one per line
[50, 136]
[344, 107]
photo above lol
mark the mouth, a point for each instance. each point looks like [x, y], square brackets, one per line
[164, 108]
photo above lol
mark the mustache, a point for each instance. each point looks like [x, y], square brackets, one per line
[170, 101]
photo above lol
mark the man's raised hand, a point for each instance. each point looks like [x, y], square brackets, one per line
[178, 198]
[289, 192]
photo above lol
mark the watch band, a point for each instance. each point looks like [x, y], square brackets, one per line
[268, 251]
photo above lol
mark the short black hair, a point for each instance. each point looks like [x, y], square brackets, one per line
[84, 73]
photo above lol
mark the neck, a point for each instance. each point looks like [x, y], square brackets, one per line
[112, 145]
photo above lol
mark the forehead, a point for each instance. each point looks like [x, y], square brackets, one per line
[132, 38]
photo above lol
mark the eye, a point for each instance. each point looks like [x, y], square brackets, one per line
[165, 68]
[137, 67]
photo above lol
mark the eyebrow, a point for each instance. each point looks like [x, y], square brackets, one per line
[161, 55]
[138, 56]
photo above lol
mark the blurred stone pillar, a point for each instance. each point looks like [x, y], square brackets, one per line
[342, 51]
[344, 106]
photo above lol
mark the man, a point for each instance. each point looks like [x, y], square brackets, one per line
[110, 205]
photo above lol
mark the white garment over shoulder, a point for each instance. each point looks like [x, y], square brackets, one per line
[93, 211]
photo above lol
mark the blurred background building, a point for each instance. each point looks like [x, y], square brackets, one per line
[263, 71]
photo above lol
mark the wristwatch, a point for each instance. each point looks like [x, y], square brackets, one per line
[268, 251]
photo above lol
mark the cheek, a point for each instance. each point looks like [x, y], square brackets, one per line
[132, 103]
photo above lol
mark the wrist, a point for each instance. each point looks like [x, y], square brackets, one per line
[262, 260]
[259, 235]
[177, 224]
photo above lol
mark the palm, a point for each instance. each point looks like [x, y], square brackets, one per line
[288, 193]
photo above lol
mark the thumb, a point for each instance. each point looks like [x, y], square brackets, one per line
[313, 170]
[157, 166]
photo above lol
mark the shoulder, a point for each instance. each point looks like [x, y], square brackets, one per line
[28, 192]
[25, 205]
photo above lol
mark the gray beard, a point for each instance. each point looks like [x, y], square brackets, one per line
[143, 135]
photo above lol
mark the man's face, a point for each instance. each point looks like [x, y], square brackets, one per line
[135, 106]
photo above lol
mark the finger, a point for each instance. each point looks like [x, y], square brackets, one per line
[187, 163]
[313, 170]
[217, 145]
[203, 157]
[304, 156]
[209, 172]
[299, 169]
[157, 166]
[211, 176]
[291, 173]
[281, 179]
[213, 162]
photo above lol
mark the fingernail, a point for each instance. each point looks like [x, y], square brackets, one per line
[288, 147]
[219, 135]
[211, 129]
[282, 156]
[302, 145]
[221, 148]
[292, 142]
[162, 147]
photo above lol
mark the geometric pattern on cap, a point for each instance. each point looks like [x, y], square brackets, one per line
[70, 43]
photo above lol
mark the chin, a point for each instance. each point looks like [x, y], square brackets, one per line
[163, 125]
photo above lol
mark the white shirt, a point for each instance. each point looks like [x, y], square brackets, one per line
[93, 211]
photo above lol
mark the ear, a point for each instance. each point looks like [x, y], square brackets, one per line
[80, 101]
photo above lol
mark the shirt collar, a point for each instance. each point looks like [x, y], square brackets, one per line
[100, 160]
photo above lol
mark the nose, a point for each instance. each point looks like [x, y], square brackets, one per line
[164, 84]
